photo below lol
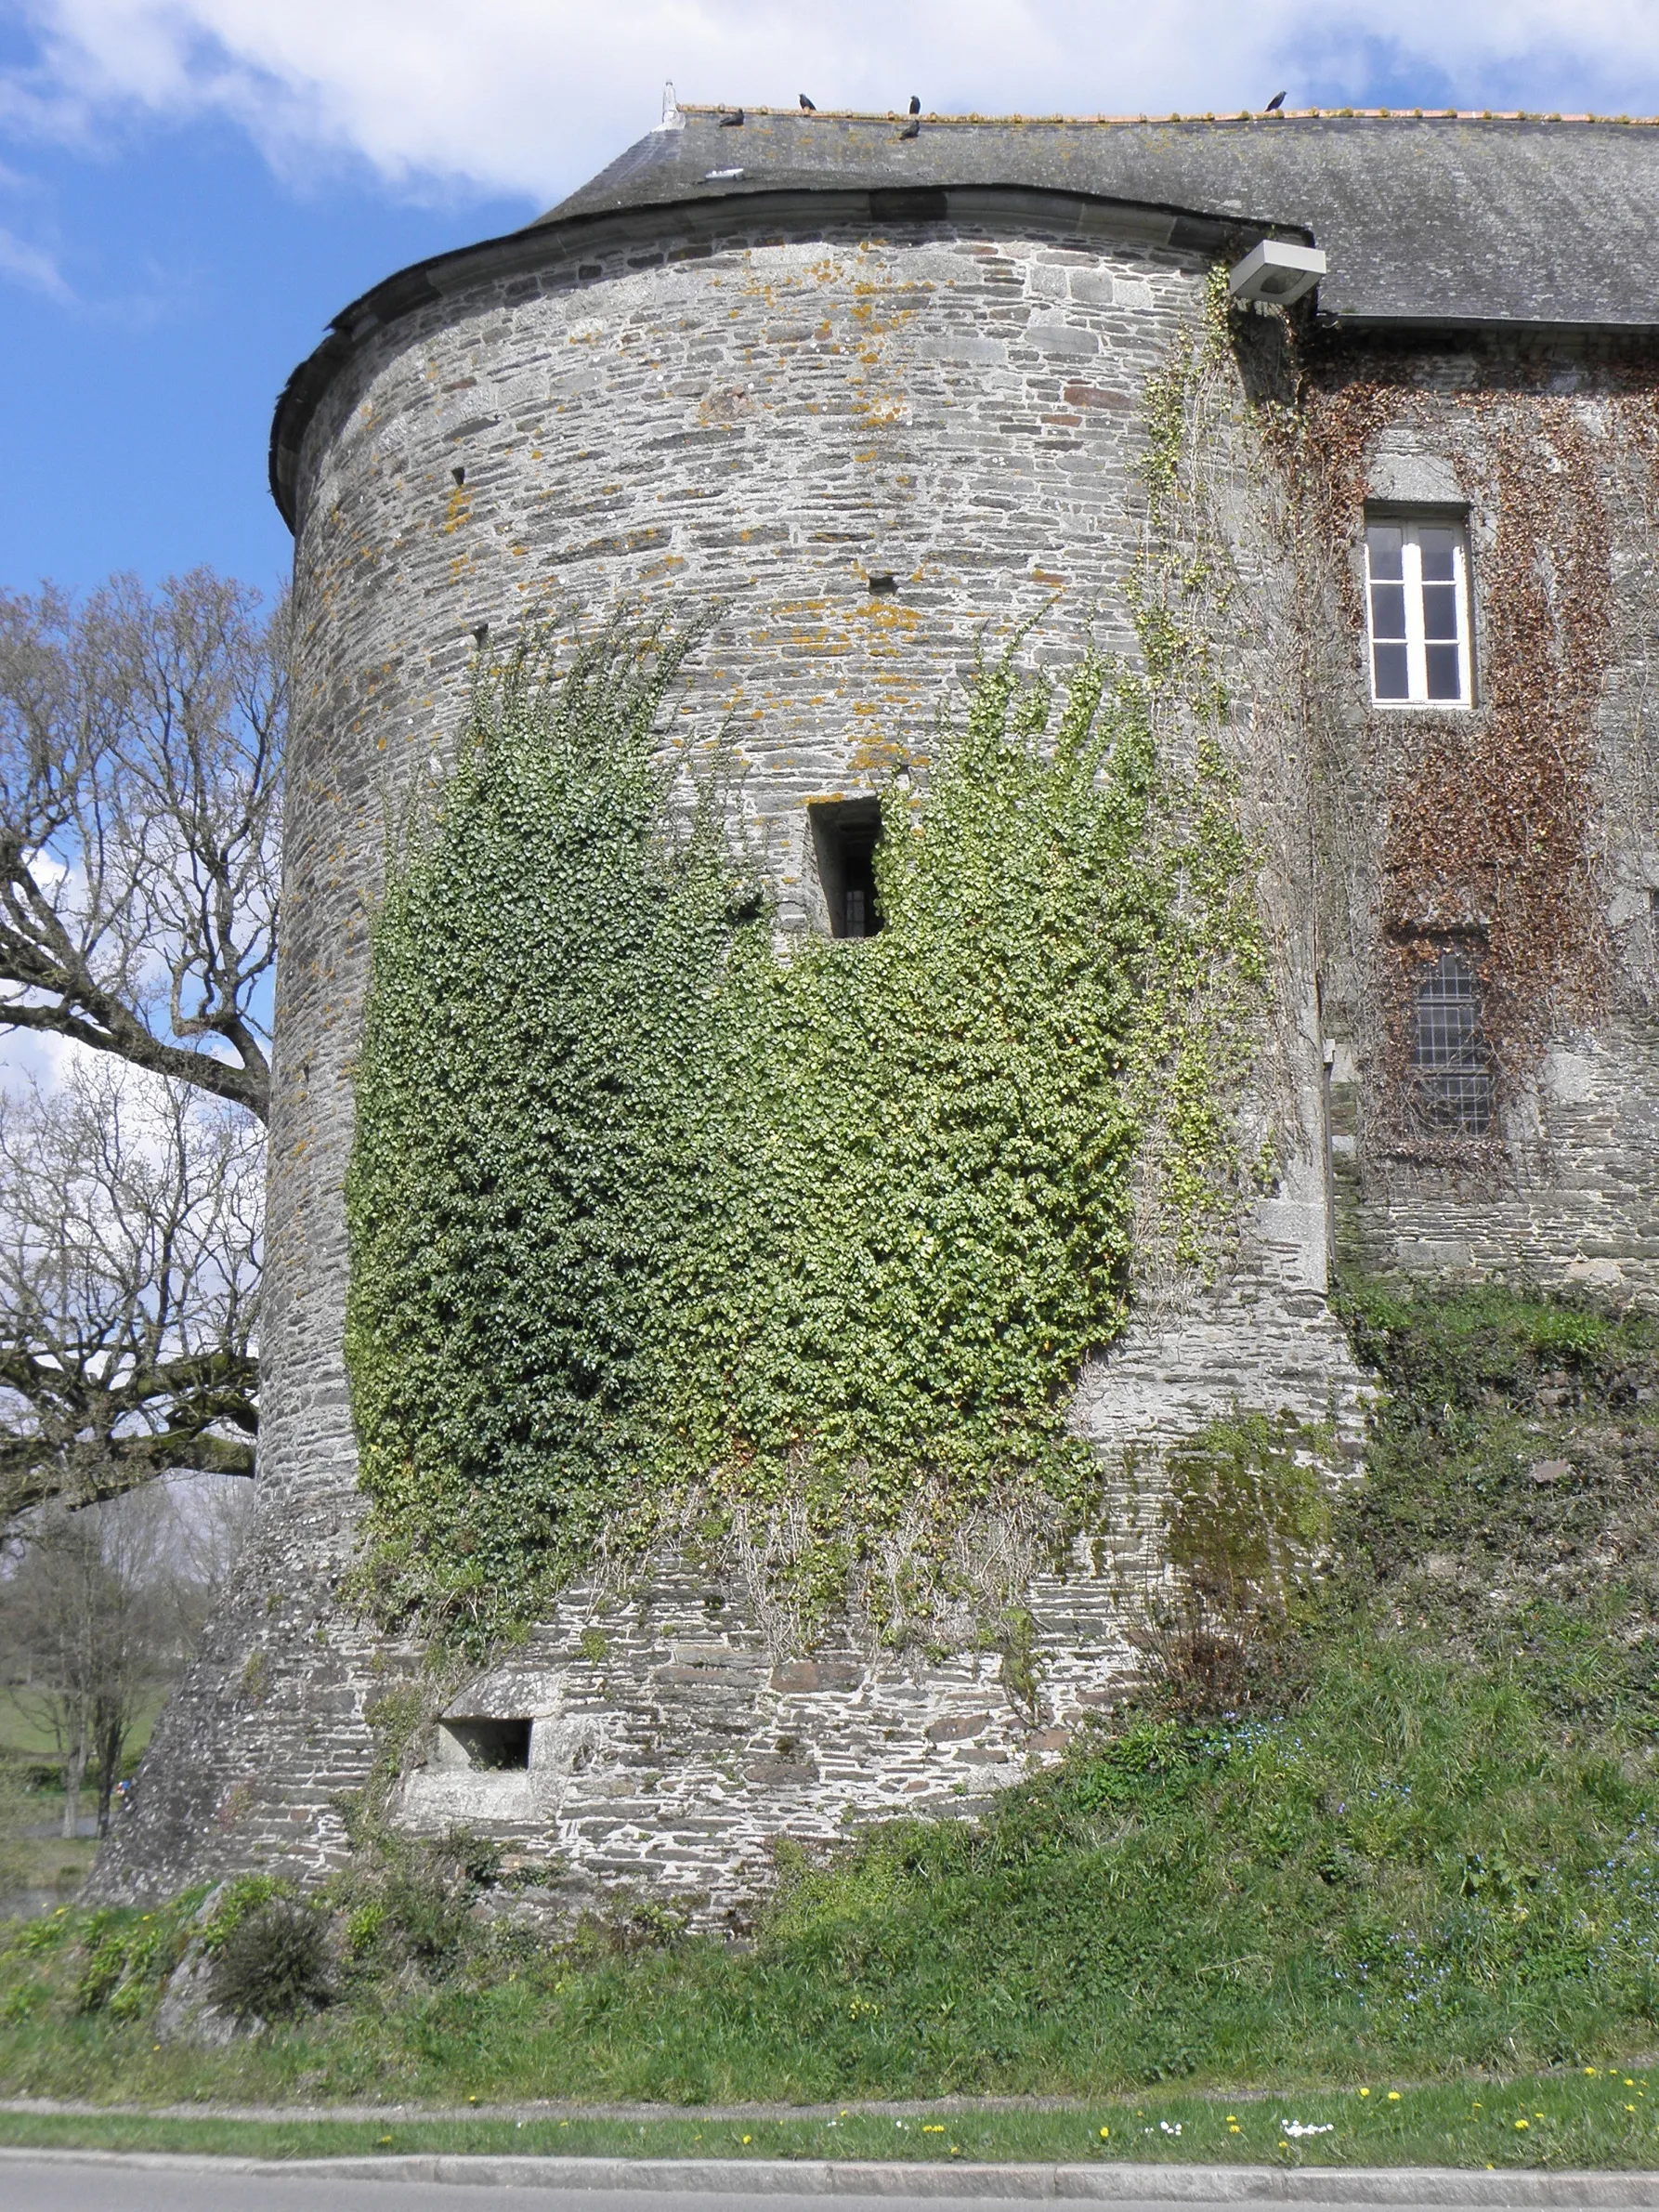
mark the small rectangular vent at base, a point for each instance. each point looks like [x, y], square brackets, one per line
[496, 1746]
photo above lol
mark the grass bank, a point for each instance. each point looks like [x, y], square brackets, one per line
[1599, 2119]
[1424, 1849]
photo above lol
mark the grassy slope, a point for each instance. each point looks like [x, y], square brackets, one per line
[1430, 1845]
[1588, 2119]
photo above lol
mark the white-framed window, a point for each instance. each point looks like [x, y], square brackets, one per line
[1416, 601]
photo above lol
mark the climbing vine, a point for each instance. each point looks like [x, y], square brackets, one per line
[661, 1222]
[1490, 835]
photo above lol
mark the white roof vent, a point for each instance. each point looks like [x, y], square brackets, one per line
[673, 120]
[1277, 272]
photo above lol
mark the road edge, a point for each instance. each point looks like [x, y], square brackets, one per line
[1102, 2183]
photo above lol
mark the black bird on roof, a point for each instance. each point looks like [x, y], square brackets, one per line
[808, 107]
[912, 129]
[1274, 104]
[733, 121]
[915, 105]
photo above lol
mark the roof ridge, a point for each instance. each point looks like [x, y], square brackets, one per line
[1279, 117]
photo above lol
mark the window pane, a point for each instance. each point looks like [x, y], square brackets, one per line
[1392, 678]
[1444, 682]
[1436, 548]
[1440, 610]
[1383, 542]
[1452, 1082]
[1388, 610]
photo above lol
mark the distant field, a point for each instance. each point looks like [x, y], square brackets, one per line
[25, 1732]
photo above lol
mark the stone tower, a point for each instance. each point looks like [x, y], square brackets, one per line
[877, 393]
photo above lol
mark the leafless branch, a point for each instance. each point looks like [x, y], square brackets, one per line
[140, 756]
[129, 1236]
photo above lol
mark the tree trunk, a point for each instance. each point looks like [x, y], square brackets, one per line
[74, 1768]
[110, 1728]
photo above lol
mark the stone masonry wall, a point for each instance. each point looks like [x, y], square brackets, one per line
[774, 419]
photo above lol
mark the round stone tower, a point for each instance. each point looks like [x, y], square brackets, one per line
[874, 396]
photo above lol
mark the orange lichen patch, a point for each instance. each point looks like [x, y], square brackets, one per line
[878, 760]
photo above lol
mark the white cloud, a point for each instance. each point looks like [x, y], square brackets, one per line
[532, 96]
[30, 265]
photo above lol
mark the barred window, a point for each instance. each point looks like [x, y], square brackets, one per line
[1416, 595]
[1451, 1077]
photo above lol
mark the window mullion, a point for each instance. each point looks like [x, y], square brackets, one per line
[1465, 658]
[1417, 661]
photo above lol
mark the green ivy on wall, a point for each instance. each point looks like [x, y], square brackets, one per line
[648, 1210]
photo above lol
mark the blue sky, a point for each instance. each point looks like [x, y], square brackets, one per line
[137, 400]
[189, 188]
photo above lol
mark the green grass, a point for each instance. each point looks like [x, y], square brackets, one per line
[1601, 2120]
[1426, 1852]
[26, 1733]
[1412, 1872]
[47, 1862]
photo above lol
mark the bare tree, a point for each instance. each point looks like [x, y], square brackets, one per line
[88, 1607]
[140, 750]
[130, 1216]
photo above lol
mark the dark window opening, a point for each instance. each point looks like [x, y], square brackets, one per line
[493, 1745]
[845, 834]
[1452, 1080]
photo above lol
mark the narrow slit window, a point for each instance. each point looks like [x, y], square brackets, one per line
[1451, 1075]
[845, 834]
[1417, 592]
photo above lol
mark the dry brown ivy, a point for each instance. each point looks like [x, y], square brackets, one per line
[1488, 838]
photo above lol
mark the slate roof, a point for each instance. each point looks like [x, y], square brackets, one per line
[1443, 218]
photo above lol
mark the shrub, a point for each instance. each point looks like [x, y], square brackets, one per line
[274, 1962]
[1244, 1514]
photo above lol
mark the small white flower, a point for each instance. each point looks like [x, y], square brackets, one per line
[1300, 2128]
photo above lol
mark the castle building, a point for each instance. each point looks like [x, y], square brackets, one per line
[883, 394]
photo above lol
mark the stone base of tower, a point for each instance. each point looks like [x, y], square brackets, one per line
[656, 1734]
